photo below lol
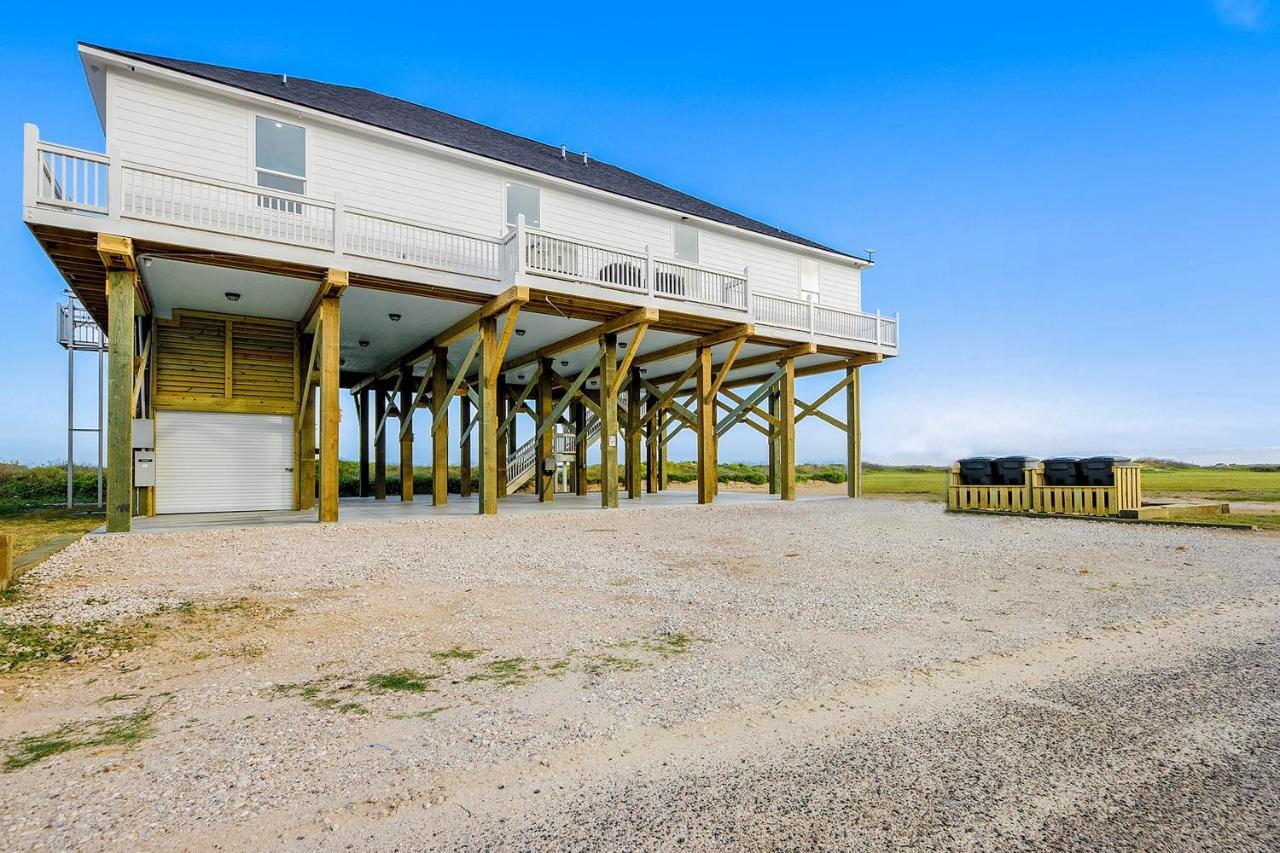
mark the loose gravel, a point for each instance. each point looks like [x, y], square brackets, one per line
[566, 657]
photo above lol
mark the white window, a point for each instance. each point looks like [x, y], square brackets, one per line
[523, 199]
[280, 155]
[809, 278]
[686, 242]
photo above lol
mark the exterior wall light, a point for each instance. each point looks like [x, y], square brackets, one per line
[232, 296]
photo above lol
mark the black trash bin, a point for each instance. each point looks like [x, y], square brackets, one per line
[1061, 471]
[977, 471]
[1009, 469]
[1096, 470]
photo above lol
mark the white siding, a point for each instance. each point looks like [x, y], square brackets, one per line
[187, 130]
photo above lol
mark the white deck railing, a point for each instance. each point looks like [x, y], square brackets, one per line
[94, 184]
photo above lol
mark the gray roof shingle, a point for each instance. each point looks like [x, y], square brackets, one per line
[411, 119]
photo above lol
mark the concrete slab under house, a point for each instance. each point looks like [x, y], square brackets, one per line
[255, 245]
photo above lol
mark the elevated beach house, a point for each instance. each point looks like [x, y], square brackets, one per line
[254, 244]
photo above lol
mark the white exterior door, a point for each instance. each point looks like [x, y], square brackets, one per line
[223, 462]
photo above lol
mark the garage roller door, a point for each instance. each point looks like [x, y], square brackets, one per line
[221, 462]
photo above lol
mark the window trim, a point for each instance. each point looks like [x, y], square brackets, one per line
[507, 218]
[255, 169]
[697, 241]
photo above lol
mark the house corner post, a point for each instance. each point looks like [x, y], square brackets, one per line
[853, 426]
[440, 428]
[330, 337]
[787, 431]
[121, 284]
[706, 422]
[488, 415]
[405, 405]
[608, 423]
[546, 444]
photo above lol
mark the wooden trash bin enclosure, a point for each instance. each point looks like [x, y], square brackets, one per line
[1034, 496]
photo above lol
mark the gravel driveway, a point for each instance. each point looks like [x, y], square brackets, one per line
[821, 674]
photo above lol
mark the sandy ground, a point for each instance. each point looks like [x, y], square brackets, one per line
[830, 674]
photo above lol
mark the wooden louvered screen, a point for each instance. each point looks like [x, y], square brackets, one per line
[221, 363]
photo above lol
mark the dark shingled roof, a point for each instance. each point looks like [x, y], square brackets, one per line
[422, 122]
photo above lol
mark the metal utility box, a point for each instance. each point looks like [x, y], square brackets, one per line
[977, 471]
[144, 433]
[1010, 469]
[548, 466]
[144, 468]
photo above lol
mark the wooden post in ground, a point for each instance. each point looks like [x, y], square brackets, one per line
[362, 400]
[503, 401]
[379, 441]
[120, 313]
[305, 439]
[440, 431]
[787, 431]
[546, 449]
[6, 560]
[580, 449]
[608, 423]
[652, 432]
[488, 425]
[633, 434]
[853, 426]
[774, 409]
[464, 452]
[406, 437]
[705, 415]
[329, 411]
[661, 420]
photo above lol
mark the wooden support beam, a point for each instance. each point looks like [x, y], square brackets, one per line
[662, 456]
[634, 432]
[651, 445]
[744, 418]
[727, 422]
[504, 432]
[573, 389]
[807, 409]
[334, 284]
[512, 297]
[362, 413]
[329, 412]
[441, 397]
[487, 389]
[523, 394]
[665, 397]
[706, 429]
[464, 451]
[764, 415]
[305, 394]
[744, 330]
[440, 405]
[608, 423]
[775, 428]
[853, 410]
[546, 450]
[787, 434]
[6, 561]
[579, 449]
[621, 323]
[304, 467]
[723, 373]
[419, 394]
[380, 441]
[140, 372]
[121, 295]
[624, 369]
[406, 434]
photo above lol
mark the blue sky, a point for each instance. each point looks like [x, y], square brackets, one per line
[1076, 206]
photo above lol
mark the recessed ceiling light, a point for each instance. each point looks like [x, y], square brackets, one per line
[232, 296]
[622, 345]
[564, 363]
[395, 318]
[364, 344]
[519, 333]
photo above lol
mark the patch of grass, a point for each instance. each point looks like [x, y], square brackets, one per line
[34, 643]
[117, 697]
[34, 527]
[427, 714]
[401, 680]
[1261, 520]
[507, 672]
[456, 653]
[125, 731]
[597, 664]
[669, 643]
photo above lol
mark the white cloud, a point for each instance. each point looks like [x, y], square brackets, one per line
[1244, 14]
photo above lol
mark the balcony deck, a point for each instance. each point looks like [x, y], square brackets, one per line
[70, 190]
